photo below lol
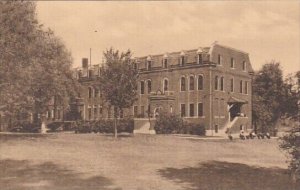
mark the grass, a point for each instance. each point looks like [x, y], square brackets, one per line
[91, 161]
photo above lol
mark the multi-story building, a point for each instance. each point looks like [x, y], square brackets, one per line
[209, 86]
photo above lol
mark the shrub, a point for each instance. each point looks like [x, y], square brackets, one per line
[26, 127]
[194, 129]
[168, 124]
[106, 126]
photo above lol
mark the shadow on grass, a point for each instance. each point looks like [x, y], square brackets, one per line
[216, 175]
[23, 136]
[21, 175]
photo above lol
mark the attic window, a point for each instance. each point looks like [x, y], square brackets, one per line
[165, 63]
[149, 65]
[244, 65]
[200, 58]
[182, 60]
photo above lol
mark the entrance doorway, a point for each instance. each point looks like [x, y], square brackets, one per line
[235, 110]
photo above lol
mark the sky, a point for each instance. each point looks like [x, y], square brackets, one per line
[267, 30]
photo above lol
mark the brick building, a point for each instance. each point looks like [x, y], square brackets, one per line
[209, 86]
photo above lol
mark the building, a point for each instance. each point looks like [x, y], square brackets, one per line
[209, 86]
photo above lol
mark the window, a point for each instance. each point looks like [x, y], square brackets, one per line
[232, 62]
[231, 85]
[200, 82]
[148, 65]
[182, 84]
[200, 109]
[246, 87]
[165, 63]
[149, 86]
[148, 110]
[142, 111]
[121, 114]
[166, 85]
[244, 65]
[109, 112]
[96, 94]
[90, 92]
[135, 66]
[135, 111]
[90, 113]
[182, 61]
[192, 83]
[58, 113]
[49, 114]
[216, 82]
[95, 112]
[182, 110]
[222, 107]
[222, 83]
[219, 59]
[100, 110]
[142, 87]
[241, 86]
[200, 59]
[192, 110]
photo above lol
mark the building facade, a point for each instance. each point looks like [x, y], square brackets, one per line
[209, 86]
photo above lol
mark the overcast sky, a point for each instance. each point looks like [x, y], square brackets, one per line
[266, 30]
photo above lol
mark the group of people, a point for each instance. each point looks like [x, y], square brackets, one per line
[251, 135]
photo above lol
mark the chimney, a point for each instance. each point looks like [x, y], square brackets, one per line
[85, 63]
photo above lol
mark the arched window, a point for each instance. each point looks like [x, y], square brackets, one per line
[192, 83]
[149, 86]
[90, 92]
[216, 82]
[166, 85]
[200, 82]
[222, 83]
[182, 84]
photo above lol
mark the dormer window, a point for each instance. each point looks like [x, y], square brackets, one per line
[182, 58]
[165, 63]
[232, 63]
[244, 65]
[182, 61]
[219, 59]
[149, 65]
[200, 61]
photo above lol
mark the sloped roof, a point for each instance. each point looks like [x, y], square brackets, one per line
[236, 100]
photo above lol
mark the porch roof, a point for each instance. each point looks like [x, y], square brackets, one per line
[233, 100]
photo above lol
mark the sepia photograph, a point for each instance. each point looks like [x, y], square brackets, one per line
[150, 95]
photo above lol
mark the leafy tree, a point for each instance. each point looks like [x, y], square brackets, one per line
[268, 96]
[291, 141]
[118, 81]
[34, 64]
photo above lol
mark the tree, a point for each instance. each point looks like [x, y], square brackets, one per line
[118, 81]
[268, 96]
[35, 66]
[291, 141]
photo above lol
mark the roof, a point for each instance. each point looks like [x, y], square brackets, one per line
[236, 100]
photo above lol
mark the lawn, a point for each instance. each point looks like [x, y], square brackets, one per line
[93, 161]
